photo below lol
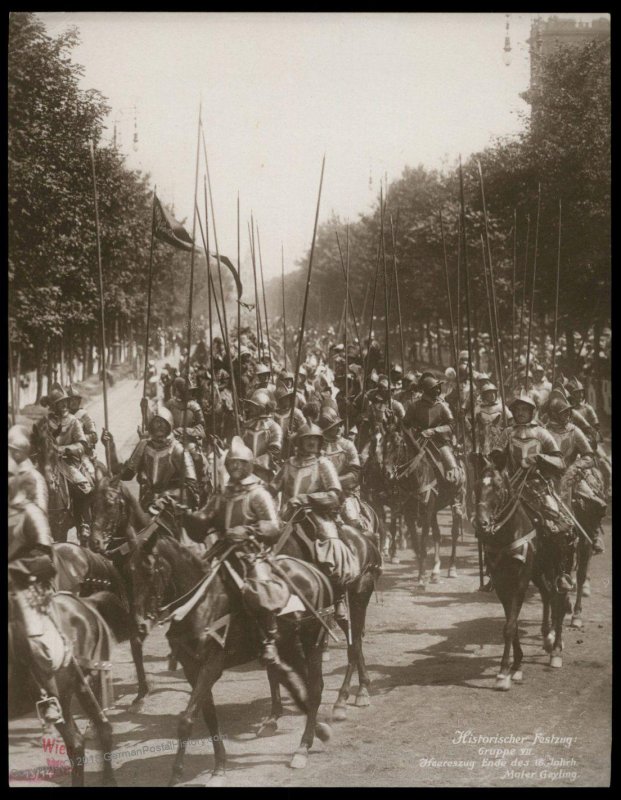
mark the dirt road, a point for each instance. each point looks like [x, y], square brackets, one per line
[434, 719]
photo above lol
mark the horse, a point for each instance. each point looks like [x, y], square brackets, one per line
[297, 540]
[217, 633]
[411, 471]
[546, 530]
[81, 624]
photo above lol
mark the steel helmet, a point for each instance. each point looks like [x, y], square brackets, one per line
[72, 391]
[286, 376]
[328, 418]
[538, 368]
[557, 405]
[239, 451]
[308, 430]
[574, 385]
[163, 413]
[429, 382]
[409, 379]
[282, 392]
[262, 369]
[464, 355]
[524, 399]
[19, 440]
[321, 383]
[55, 396]
[396, 371]
[487, 386]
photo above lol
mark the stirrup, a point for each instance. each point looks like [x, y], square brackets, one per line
[48, 710]
[269, 653]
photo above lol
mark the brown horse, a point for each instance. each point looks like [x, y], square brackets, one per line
[82, 625]
[412, 472]
[218, 633]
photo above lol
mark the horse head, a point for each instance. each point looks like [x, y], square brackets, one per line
[109, 512]
[491, 491]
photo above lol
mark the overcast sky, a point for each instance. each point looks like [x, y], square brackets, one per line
[374, 92]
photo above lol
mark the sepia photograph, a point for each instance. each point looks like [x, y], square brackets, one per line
[309, 405]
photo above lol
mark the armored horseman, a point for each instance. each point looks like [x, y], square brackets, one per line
[263, 379]
[344, 456]
[71, 446]
[489, 418]
[284, 400]
[88, 426]
[184, 409]
[242, 511]
[262, 434]
[31, 571]
[33, 482]
[310, 479]
[432, 419]
[541, 385]
[578, 457]
[159, 462]
[584, 415]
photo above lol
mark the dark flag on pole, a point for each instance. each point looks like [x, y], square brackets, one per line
[167, 229]
[227, 263]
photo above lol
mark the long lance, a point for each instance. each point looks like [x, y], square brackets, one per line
[469, 337]
[102, 329]
[256, 290]
[511, 379]
[393, 236]
[351, 305]
[304, 307]
[532, 292]
[498, 338]
[489, 303]
[453, 336]
[267, 325]
[11, 378]
[284, 319]
[226, 329]
[146, 343]
[386, 325]
[558, 275]
[368, 358]
[190, 301]
[524, 279]
[347, 300]
[364, 306]
[238, 299]
[459, 282]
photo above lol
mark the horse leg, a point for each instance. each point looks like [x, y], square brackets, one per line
[270, 724]
[558, 614]
[339, 709]
[135, 644]
[312, 658]
[502, 582]
[218, 775]
[74, 742]
[455, 528]
[209, 672]
[358, 605]
[422, 549]
[393, 537]
[435, 529]
[541, 583]
[102, 725]
[584, 557]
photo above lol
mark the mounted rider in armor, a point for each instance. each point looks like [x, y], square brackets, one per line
[81, 414]
[184, 409]
[489, 418]
[159, 462]
[262, 434]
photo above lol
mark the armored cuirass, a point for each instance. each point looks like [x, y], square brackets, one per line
[565, 442]
[257, 438]
[523, 443]
[301, 479]
[335, 453]
[157, 465]
[237, 509]
[176, 409]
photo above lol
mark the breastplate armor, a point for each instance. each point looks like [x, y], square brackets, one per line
[301, 479]
[336, 455]
[237, 509]
[565, 442]
[257, 439]
[157, 465]
[524, 443]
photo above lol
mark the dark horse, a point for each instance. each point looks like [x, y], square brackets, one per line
[519, 549]
[217, 633]
[410, 468]
[83, 626]
[300, 544]
[116, 519]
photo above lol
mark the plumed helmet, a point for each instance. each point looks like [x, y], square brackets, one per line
[488, 386]
[574, 385]
[262, 369]
[428, 382]
[410, 379]
[55, 396]
[328, 418]
[396, 373]
[162, 413]
[308, 430]
[19, 440]
[73, 391]
[450, 373]
[524, 399]
[239, 451]
[557, 404]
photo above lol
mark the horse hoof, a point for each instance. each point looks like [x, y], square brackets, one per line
[90, 732]
[216, 780]
[268, 727]
[586, 588]
[339, 712]
[420, 586]
[323, 731]
[435, 578]
[395, 560]
[548, 642]
[517, 676]
[299, 759]
[576, 621]
[452, 573]
[362, 698]
[556, 661]
[136, 705]
[503, 683]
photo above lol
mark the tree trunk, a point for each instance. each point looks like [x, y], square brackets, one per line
[88, 360]
[570, 354]
[18, 370]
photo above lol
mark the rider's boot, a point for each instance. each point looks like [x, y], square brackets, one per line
[269, 631]
[340, 607]
[598, 543]
[48, 707]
